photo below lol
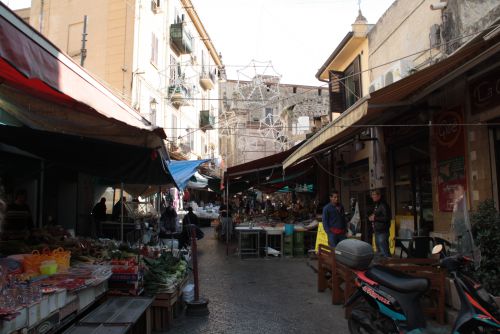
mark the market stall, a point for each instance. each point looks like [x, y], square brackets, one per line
[66, 138]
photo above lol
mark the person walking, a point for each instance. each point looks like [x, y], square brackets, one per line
[334, 220]
[381, 222]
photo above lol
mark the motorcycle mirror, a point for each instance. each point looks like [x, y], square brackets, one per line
[437, 249]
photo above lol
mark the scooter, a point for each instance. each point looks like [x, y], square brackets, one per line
[388, 301]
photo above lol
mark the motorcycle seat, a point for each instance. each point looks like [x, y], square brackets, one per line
[397, 280]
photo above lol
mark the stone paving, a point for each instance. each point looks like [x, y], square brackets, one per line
[259, 296]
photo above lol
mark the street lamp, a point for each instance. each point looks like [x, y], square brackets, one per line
[152, 105]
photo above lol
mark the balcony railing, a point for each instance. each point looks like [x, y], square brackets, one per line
[181, 38]
[207, 120]
[207, 79]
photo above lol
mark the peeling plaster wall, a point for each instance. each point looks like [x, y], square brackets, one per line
[464, 18]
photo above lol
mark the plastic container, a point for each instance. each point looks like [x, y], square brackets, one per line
[48, 267]
[188, 293]
[355, 254]
[289, 229]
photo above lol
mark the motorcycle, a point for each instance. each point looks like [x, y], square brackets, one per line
[388, 301]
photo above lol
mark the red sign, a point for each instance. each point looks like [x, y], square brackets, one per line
[485, 91]
[449, 134]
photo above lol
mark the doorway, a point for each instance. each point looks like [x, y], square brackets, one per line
[412, 182]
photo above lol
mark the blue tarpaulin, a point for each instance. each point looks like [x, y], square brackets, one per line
[182, 170]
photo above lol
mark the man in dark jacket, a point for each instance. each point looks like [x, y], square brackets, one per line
[381, 222]
[334, 220]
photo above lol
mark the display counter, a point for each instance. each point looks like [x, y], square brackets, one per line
[55, 310]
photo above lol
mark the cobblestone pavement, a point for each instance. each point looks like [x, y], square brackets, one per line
[259, 296]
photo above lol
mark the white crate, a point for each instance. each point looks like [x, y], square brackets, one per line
[85, 298]
[61, 297]
[21, 321]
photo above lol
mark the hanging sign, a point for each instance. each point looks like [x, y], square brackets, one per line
[450, 156]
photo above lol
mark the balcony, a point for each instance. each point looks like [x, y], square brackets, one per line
[207, 79]
[179, 95]
[181, 38]
[207, 120]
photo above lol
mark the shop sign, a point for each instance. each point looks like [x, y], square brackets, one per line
[450, 156]
[485, 91]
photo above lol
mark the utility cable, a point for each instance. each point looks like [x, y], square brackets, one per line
[369, 69]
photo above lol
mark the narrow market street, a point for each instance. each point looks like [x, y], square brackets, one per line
[259, 295]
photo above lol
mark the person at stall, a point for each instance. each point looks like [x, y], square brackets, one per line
[117, 209]
[334, 220]
[381, 222]
[18, 216]
[226, 219]
[191, 218]
[168, 220]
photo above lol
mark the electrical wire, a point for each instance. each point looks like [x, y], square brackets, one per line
[369, 69]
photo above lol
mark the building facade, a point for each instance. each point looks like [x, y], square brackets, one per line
[156, 55]
[417, 112]
[262, 117]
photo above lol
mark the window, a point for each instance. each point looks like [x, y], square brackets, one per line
[345, 87]
[173, 70]
[174, 127]
[154, 49]
[352, 83]
[203, 146]
[190, 139]
[295, 90]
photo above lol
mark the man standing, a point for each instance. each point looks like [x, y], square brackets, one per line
[334, 220]
[381, 222]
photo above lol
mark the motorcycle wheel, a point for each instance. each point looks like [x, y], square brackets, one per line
[379, 323]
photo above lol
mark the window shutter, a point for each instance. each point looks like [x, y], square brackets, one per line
[337, 92]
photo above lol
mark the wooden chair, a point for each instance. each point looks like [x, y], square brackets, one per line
[326, 265]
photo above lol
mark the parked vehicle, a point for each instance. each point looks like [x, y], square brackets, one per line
[388, 301]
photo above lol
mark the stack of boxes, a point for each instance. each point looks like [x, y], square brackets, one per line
[127, 278]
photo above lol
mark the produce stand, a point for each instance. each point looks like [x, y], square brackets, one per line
[164, 307]
[56, 309]
[78, 276]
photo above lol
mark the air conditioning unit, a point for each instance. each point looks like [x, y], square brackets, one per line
[398, 71]
[376, 84]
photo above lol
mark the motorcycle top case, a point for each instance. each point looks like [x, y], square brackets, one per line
[355, 254]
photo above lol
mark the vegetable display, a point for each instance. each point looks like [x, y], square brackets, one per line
[165, 274]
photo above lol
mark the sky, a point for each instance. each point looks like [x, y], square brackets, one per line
[296, 37]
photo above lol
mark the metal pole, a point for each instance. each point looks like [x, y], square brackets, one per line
[121, 212]
[228, 217]
[194, 256]
[41, 193]
[83, 53]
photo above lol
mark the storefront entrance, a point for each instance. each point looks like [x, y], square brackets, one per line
[412, 185]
